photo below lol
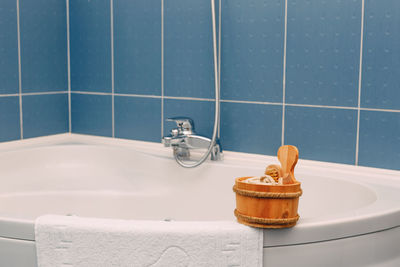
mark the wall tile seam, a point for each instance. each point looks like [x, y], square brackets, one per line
[69, 67]
[112, 68]
[8, 95]
[360, 83]
[39, 93]
[162, 69]
[21, 123]
[45, 93]
[236, 101]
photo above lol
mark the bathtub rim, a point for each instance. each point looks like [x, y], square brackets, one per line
[301, 234]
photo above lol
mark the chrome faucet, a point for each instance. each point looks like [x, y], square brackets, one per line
[183, 138]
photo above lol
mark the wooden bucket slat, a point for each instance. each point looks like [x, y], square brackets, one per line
[265, 210]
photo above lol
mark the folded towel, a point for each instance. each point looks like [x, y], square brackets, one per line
[75, 241]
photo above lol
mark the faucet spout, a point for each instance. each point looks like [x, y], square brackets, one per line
[183, 139]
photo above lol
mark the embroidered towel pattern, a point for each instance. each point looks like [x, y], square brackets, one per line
[71, 241]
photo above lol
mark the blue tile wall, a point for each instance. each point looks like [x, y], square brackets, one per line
[91, 114]
[252, 51]
[381, 55]
[43, 46]
[43, 62]
[323, 52]
[251, 128]
[309, 80]
[45, 114]
[137, 41]
[8, 47]
[379, 147]
[138, 118]
[90, 40]
[188, 50]
[9, 118]
[322, 134]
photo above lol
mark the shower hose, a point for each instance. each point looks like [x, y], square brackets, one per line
[217, 65]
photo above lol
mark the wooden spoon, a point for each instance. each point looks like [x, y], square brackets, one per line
[288, 156]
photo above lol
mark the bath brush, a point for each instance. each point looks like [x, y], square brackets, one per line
[288, 157]
[274, 171]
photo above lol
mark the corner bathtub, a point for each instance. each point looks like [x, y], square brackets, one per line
[350, 216]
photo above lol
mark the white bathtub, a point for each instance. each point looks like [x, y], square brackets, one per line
[350, 216]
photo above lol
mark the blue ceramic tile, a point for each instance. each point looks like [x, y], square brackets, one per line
[9, 118]
[138, 118]
[188, 52]
[251, 127]
[379, 139]
[43, 45]
[252, 50]
[90, 45]
[137, 46]
[202, 112]
[91, 114]
[323, 52]
[322, 134]
[381, 55]
[45, 114]
[8, 48]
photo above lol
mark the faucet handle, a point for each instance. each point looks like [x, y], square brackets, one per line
[185, 124]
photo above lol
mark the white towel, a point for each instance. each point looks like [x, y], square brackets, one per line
[74, 241]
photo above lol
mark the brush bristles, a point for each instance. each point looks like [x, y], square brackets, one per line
[273, 172]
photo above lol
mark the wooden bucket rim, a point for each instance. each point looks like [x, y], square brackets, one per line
[239, 182]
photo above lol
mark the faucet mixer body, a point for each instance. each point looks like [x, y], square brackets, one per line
[183, 138]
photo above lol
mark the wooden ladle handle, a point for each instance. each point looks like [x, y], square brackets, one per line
[288, 156]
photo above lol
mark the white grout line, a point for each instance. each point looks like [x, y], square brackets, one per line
[37, 93]
[251, 102]
[382, 110]
[8, 95]
[45, 93]
[284, 77]
[225, 101]
[162, 68]
[69, 70]
[89, 93]
[19, 74]
[135, 95]
[188, 98]
[359, 83]
[319, 106]
[112, 67]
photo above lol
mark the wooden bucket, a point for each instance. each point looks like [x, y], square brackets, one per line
[267, 206]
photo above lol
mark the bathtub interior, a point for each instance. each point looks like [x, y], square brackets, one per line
[106, 181]
[105, 178]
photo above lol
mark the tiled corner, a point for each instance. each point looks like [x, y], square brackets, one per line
[9, 118]
[188, 50]
[252, 50]
[322, 134]
[91, 114]
[381, 55]
[138, 118]
[137, 46]
[202, 113]
[323, 52]
[44, 114]
[43, 27]
[90, 40]
[8, 47]
[380, 139]
[251, 128]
